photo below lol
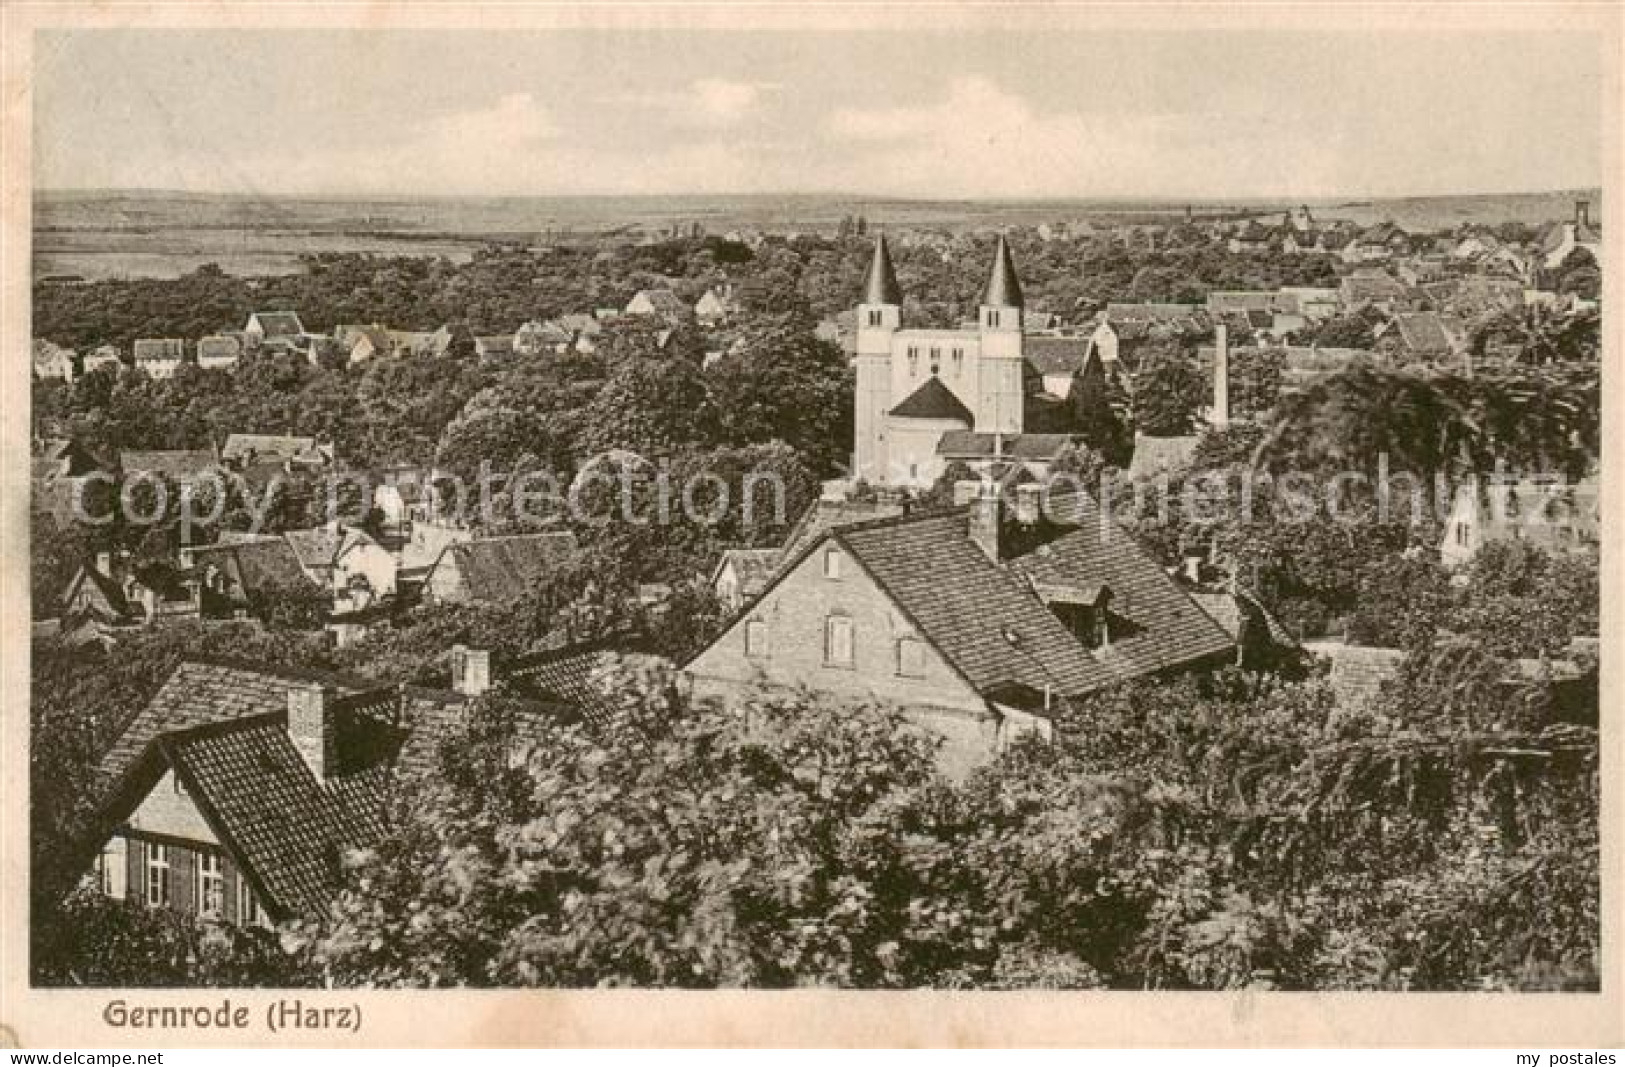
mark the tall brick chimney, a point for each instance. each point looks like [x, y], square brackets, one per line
[310, 727]
[1219, 416]
[470, 670]
[985, 513]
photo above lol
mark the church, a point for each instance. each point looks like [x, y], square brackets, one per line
[927, 397]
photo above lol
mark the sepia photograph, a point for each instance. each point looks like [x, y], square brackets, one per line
[989, 502]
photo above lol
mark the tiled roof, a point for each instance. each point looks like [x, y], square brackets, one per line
[1151, 312]
[500, 568]
[969, 444]
[496, 345]
[262, 445]
[1055, 355]
[1422, 332]
[1165, 627]
[206, 691]
[825, 515]
[280, 323]
[315, 548]
[171, 348]
[933, 400]
[178, 464]
[979, 616]
[263, 562]
[754, 566]
[260, 795]
[563, 678]
[1156, 455]
[218, 346]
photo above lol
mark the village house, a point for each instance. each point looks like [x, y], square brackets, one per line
[713, 308]
[1561, 239]
[234, 795]
[658, 302]
[104, 356]
[742, 574]
[115, 593]
[268, 329]
[159, 357]
[544, 338]
[181, 466]
[235, 574]
[219, 352]
[1057, 360]
[52, 362]
[358, 344]
[1372, 288]
[1555, 515]
[493, 570]
[494, 346]
[929, 613]
[1421, 335]
[287, 451]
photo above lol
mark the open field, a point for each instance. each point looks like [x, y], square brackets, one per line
[157, 234]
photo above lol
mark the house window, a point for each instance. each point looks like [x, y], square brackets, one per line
[993, 319]
[832, 563]
[755, 638]
[157, 876]
[209, 885]
[249, 912]
[1461, 533]
[114, 874]
[874, 316]
[911, 657]
[838, 641]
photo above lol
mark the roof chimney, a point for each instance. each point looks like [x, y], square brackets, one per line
[310, 728]
[1219, 417]
[985, 513]
[1028, 501]
[1582, 212]
[470, 670]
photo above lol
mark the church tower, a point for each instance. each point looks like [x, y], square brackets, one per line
[999, 389]
[880, 315]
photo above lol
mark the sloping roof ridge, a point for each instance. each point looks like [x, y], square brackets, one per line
[288, 673]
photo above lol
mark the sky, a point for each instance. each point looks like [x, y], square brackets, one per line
[939, 115]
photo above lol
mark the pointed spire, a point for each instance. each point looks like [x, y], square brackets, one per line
[1003, 288]
[880, 284]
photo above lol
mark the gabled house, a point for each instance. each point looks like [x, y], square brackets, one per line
[234, 573]
[104, 356]
[713, 308]
[274, 327]
[159, 357]
[495, 569]
[1557, 516]
[289, 451]
[360, 343]
[52, 362]
[1561, 238]
[219, 352]
[1420, 335]
[661, 302]
[742, 573]
[234, 796]
[541, 338]
[177, 465]
[495, 346]
[927, 613]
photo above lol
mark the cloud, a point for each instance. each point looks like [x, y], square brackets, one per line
[979, 139]
[706, 102]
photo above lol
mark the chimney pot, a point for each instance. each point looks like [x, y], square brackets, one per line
[985, 513]
[310, 727]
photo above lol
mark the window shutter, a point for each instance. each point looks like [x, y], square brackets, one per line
[228, 889]
[136, 872]
[182, 871]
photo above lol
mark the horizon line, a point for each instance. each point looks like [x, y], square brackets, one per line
[1354, 198]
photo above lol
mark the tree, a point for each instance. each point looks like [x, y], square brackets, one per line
[1094, 408]
[1169, 393]
[651, 407]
